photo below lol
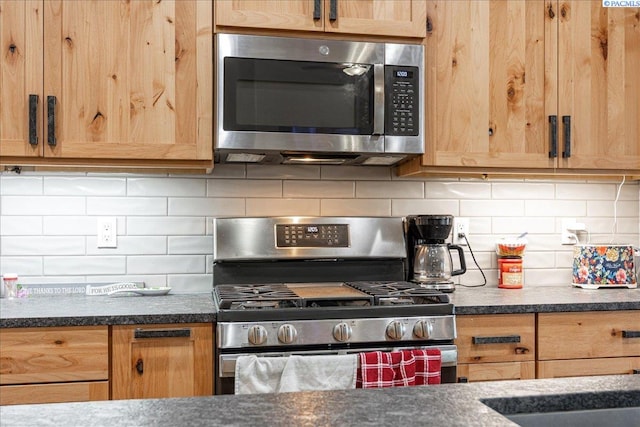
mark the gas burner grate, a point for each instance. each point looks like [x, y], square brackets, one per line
[256, 296]
[400, 293]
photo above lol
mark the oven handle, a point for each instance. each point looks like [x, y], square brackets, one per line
[378, 99]
[227, 362]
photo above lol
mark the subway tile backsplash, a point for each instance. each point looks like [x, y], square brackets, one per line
[48, 220]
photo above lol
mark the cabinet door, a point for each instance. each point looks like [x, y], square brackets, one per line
[53, 355]
[54, 393]
[497, 371]
[132, 80]
[487, 88]
[153, 361]
[404, 18]
[495, 338]
[599, 84]
[587, 367]
[304, 15]
[584, 335]
[20, 77]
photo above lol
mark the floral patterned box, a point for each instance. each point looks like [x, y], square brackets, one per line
[600, 266]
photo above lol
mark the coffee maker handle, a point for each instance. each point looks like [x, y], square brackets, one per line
[463, 264]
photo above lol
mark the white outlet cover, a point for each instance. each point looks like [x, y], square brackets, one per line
[107, 232]
[460, 225]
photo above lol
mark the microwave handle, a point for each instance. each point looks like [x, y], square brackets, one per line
[378, 99]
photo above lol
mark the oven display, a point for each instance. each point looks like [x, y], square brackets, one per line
[312, 235]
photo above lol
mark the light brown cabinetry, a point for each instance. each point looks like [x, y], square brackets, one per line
[505, 79]
[496, 346]
[57, 364]
[588, 343]
[164, 360]
[117, 83]
[403, 18]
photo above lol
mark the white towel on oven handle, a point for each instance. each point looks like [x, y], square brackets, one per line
[295, 373]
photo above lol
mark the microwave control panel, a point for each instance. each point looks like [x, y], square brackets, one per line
[312, 235]
[402, 100]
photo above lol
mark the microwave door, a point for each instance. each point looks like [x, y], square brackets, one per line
[283, 105]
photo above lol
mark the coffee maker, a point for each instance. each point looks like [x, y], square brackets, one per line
[429, 261]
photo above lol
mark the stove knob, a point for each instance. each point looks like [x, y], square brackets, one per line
[342, 332]
[287, 334]
[257, 335]
[396, 330]
[423, 329]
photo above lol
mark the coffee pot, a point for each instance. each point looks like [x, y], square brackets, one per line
[433, 263]
[429, 260]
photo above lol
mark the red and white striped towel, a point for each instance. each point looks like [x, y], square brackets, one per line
[399, 368]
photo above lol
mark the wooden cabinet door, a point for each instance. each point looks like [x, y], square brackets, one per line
[488, 90]
[54, 355]
[599, 84]
[585, 335]
[132, 80]
[272, 14]
[54, 393]
[404, 18]
[587, 367]
[497, 371]
[153, 361]
[20, 77]
[495, 338]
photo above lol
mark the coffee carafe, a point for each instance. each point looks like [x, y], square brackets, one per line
[428, 256]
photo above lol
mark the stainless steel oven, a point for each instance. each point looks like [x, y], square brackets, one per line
[321, 286]
[300, 100]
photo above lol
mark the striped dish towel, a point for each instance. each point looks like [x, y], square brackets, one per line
[399, 368]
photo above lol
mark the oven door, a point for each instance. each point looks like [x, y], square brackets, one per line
[225, 371]
[278, 94]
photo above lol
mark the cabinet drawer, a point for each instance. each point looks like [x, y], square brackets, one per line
[45, 355]
[587, 367]
[587, 335]
[54, 393]
[495, 338]
[497, 371]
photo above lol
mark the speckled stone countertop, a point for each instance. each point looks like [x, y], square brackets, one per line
[442, 405]
[541, 299]
[82, 310]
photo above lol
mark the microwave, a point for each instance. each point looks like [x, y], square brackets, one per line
[310, 101]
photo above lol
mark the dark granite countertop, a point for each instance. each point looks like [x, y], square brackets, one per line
[82, 310]
[542, 299]
[442, 405]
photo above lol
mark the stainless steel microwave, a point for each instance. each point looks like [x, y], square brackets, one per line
[301, 101]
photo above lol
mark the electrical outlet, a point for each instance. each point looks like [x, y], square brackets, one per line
[107, 228]
[567, 237]
[460, 228]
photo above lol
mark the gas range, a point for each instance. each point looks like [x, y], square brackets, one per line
[321, 285]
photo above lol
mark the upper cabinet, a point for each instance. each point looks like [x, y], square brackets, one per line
[106, 83]
[531, 86]
[599, 85]
[402, 18]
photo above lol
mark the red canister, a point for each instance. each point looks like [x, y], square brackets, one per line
[510, 274]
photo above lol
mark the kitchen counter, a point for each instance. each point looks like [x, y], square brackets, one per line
[82, 310]
[446, 404]
[542, 299]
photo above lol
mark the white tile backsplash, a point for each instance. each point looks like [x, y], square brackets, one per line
[48, 220]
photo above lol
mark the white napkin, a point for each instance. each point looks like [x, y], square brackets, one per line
[295, 373]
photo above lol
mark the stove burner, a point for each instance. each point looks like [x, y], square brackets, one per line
[258, 296]
[400, 293]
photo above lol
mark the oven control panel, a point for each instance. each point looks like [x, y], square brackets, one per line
[312, 235]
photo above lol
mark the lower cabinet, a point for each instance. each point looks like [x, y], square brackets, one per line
[162, 360]
[496, 347]
[588, 343]
[54, 364]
